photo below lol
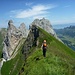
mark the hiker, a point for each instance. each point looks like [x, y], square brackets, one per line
[44, 47]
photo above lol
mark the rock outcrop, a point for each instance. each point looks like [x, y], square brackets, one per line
[44, 24]
[12, 39]
[23, 29]
[31, 40]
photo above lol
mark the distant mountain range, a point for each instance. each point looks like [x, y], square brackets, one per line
[61, 26]
[67, 35]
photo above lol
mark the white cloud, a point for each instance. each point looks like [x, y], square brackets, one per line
[29, 3]
[33, 11]
[39, 16]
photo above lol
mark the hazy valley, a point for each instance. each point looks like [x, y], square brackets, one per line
[67, 35]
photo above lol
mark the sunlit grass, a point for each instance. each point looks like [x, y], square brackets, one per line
[59, 60]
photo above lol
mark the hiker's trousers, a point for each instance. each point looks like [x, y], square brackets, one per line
[44, 52]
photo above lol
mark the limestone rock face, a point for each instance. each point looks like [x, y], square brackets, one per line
[12, 39]
[31, 40]
[23, 29]
[44, 24]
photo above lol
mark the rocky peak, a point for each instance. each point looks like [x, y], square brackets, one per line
[44, 24]
[12, 39]
[11, 28]
[23, 29]
[22, 26]
[10, 23]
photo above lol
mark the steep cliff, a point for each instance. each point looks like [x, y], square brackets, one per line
[2, 35]
[44, 24]
[13, 37]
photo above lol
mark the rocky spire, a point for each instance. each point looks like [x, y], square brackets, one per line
[23, 29]
[44, 24]
[10, 23]
[13, 36]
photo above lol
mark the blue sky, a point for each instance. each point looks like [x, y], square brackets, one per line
[57, 11]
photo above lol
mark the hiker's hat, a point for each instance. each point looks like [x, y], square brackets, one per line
[44, 40]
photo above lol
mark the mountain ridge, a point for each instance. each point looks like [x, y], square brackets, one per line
[29, 60]
[60, 59]
[15, 36]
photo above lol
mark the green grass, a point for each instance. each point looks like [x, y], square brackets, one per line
[13, 66]
[50, 65]
[55, 45]
[59, 60]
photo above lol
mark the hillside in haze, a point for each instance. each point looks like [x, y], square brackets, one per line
[62, 26]
[67, 35]
[60, 59]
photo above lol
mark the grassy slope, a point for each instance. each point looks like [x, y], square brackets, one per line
[60, 60]
[13, 66]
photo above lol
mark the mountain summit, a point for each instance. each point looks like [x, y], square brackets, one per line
[44, 24]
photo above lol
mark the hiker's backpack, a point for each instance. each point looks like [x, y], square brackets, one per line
[44, 45]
